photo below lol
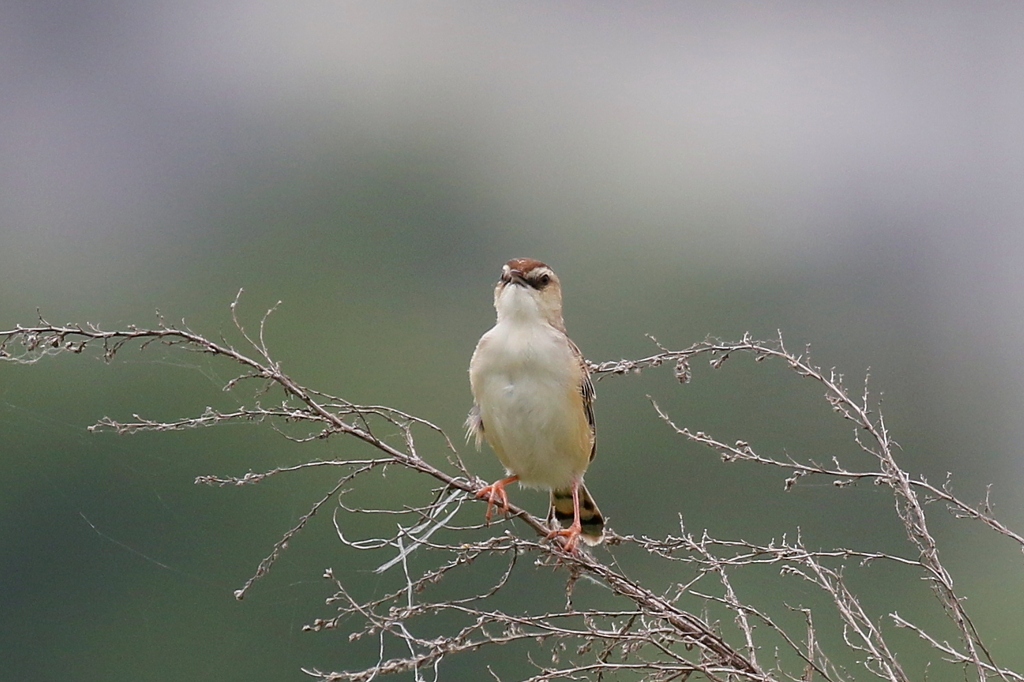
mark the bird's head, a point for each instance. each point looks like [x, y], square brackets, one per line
[529, 289]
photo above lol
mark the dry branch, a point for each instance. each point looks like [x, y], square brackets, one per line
[652, 636]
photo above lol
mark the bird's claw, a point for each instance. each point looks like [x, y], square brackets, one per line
[496, 496]
[570, 537]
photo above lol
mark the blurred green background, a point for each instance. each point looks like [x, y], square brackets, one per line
[851, 174]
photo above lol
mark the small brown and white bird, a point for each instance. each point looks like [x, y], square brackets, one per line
[533, 401]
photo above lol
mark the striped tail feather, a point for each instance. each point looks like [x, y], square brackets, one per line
[591, 520]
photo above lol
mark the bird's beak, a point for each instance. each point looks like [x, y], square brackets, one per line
[514, 277]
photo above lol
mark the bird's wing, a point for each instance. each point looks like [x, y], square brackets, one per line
[588, 395]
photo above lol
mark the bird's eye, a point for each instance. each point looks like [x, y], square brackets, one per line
[543, 280]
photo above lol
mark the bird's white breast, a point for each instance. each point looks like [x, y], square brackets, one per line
[526, 380]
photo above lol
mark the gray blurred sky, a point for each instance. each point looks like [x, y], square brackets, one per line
[779, 120]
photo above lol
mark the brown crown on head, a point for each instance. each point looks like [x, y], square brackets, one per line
[524, 265]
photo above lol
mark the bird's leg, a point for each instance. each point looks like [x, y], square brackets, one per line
[496, 495]
[572, 533]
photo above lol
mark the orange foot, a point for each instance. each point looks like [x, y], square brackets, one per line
[496, 495]
[570, 535]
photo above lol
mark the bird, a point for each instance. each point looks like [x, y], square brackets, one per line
[533, 402]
